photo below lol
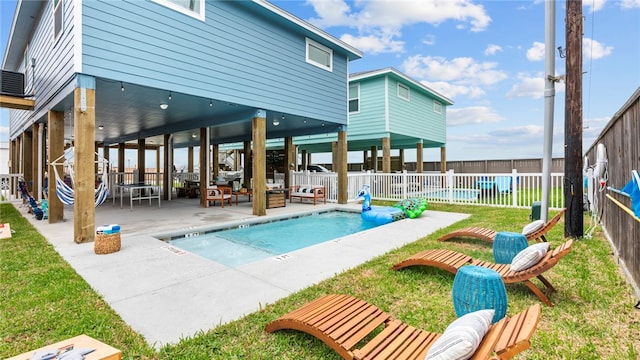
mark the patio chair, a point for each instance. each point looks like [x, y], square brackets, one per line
[221, 193]
[343, 321]
[451, 261]
[537, 234]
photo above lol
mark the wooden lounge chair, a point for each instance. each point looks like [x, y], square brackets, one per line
[451, 261]
[489, 234]
[343, 321]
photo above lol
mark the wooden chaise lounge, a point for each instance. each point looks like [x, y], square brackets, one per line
[489, 234]
[451, 261]
[343, 321]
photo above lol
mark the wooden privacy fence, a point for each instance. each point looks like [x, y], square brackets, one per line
[621, 139]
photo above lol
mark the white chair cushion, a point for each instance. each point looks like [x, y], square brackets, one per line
[532, 227]
[529, 256]
[462, 337]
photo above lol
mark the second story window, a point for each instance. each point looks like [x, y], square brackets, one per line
[437, 107]
[354, 98]
[404, 92]
[319, 55]
[58, 18]
[193, 8]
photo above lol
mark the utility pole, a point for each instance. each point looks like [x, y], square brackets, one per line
[574, 222]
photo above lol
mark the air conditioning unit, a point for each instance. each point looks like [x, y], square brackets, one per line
[12, 83]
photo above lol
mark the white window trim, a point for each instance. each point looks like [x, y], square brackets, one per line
[53, 20]
[27, 69]
[437, 107]
[408, 98]
[200, 16]
[322, 47]
[356, 98]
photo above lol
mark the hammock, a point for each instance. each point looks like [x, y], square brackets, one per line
[65, 193]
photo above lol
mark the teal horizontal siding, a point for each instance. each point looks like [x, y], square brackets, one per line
[371, 118]
[415, 117]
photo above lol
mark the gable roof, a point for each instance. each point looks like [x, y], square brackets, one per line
[399, 76]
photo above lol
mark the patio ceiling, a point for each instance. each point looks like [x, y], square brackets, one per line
[135, 113]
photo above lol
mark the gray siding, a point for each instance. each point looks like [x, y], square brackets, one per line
[54, 65]
[415, 117]
[234, 55]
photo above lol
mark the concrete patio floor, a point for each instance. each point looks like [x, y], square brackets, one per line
[167, 295]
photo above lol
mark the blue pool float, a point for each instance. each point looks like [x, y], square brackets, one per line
[378, 214]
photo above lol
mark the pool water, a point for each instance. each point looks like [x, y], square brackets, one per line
[249, 243]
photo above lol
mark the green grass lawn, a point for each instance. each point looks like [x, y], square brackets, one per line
[43, 300]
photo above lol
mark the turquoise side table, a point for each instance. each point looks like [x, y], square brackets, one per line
[506, 245]
[477, 288]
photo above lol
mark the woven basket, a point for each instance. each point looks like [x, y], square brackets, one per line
[106, 243]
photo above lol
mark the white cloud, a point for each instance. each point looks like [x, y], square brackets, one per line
[382, 13]
[464, 70]
[430, 39]
[452, 90]
[594, 5]
[531, 86]
[458, 76]
[592, 49]
[492, 49]
[4, 130]
[384, 19]
[630, 4]
[528, 86]
[536, 52]
[472, 115]
[374, 44]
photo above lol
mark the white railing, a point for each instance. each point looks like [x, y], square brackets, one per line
[514, 189]
[9, 187]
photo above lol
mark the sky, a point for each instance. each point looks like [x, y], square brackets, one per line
[486, 56]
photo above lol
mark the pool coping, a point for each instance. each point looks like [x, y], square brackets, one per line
[166, 295]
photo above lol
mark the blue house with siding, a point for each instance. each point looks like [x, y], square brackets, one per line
[388, 110]
[167, 73]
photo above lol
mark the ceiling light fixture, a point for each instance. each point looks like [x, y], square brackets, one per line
[193, 135]
[101, 127]
[121, 86]
[169, 95]
[276, 122]
[210, 103]
[164, 106]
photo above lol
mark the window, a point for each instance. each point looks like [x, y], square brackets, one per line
[404, 92]
[354, 98]
[437, 107]
[193, 8]
[58, 18]
[319, 55]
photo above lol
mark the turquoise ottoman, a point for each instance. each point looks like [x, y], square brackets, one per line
[506, 245]
[476, 288]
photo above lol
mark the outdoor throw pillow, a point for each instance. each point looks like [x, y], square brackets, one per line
[529, 256]
[462, 337]
[532, 227]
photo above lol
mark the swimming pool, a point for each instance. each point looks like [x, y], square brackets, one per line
[246, 243]
[458, 194]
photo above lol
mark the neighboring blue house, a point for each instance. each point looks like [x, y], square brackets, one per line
[388, 110]
[168, 73]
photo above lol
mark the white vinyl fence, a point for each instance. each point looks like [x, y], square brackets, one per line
[519, 190]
